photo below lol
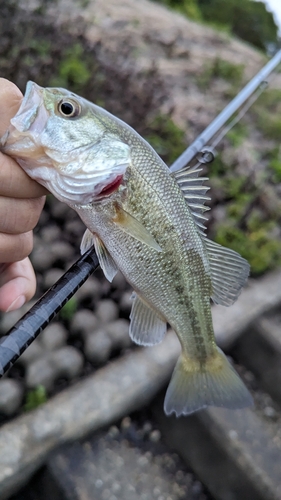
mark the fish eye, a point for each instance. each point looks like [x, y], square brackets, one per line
[69, 108]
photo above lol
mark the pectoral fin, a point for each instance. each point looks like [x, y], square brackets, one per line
[105, 260]
[146, 327]
[134, 228]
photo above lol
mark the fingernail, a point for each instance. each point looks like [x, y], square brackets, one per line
[18, 302]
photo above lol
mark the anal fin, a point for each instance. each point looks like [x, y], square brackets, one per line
[146, 327]
[105, 260]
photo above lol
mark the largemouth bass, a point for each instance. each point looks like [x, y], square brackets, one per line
[143, 221]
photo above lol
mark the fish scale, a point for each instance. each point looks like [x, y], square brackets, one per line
[150, 227]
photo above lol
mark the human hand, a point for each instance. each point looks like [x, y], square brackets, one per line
[21, 202]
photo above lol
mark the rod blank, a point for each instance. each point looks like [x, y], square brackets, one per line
[39, 316]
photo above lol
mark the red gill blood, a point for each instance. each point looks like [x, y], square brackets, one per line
[110, 188]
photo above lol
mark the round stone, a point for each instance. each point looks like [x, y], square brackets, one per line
[67, 362]
[41, 372]
[98, 346]
[119, 333]
[107, 310]
[11, 393]
[33, 352]
[126, 302]
[54, 336]
[83, 322]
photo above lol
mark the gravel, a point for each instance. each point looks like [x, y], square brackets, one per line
[67, 362]
[107, 310]
[83, 322]
[54, 336]
[11, 394]
[98, 346]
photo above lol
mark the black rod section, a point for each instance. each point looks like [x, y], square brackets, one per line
[16, 341]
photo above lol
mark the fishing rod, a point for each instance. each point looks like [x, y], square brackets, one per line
[25, 331]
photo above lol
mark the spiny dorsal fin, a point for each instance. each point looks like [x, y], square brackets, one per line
[105, 260]
[229, 272]
[194, 192]
[146, 326]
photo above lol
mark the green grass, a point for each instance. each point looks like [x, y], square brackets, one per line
[35, 397]
[166, 138]
[220, 68]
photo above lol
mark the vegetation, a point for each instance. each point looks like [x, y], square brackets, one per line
[35, 398]
[68, 310]
[166, 138]
[252, 214]
[219, 68]
[246, 19]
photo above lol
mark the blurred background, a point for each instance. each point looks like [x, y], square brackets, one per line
[167, 68]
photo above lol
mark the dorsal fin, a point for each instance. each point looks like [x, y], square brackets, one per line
[194, 192]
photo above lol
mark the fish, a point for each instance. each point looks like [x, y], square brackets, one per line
[144, 221]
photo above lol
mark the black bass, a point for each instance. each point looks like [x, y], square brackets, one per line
[143, 221]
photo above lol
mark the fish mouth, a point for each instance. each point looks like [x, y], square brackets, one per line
[32, 115]
[23, 137]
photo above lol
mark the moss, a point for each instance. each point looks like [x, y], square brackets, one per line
[187, 7]
[73, 70]
[262, 251]
[267, 112]
[35, 398]
[275, 166]
[220, 68]
[237, 134]
[166, 138]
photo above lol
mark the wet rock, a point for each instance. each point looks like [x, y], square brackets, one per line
[83, 322]
[53, 337]
[41, 372]
[119, 333]
[106, 311]
[11, 393]
[67, 362]
[98, 346]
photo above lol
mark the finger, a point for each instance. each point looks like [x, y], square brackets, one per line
[10, 99]
[19, 216]
[15, 182]
[18, 285]
[15, 247]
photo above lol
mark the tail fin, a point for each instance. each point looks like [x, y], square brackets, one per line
[193, 387]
